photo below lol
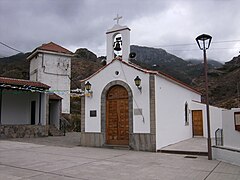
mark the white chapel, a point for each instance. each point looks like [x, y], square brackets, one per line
[126, 105]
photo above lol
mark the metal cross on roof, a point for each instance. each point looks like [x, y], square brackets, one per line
[117, 18]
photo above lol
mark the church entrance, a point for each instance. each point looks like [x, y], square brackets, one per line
[117, 116]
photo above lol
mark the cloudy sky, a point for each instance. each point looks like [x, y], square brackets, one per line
[169, 24]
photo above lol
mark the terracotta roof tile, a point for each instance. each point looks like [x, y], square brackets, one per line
[54, 47]
[22, 82]
[55, 97]
[51, 48]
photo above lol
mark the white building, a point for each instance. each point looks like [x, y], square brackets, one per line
[51, 65]
[117, 110]
[23, 108]
[229, 149]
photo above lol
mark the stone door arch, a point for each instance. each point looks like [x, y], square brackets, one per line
[117, 116]
[125, 99]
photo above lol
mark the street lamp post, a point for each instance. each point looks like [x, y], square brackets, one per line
[203, 42]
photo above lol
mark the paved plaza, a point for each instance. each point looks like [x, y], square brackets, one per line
[60, 158]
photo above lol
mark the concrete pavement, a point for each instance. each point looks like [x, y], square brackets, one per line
[37, 161]
[197, 145]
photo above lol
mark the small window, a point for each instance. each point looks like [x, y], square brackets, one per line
[237, 121]
[186, 114]
[93, 113]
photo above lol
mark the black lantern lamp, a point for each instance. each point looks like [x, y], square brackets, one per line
[203, 42]
[88, 86]
[117, 44]
[137, 81]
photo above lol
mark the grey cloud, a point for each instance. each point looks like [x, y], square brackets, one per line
[27, 24]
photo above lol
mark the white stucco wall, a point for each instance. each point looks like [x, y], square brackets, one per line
[55, 71]
[127, 75]
[215, 117]
[35, 64]
[54, 113]
[231, 137]
[16, 107]
[170, 112]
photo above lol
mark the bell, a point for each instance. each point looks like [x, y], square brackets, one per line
[117, 47]
[117, 44]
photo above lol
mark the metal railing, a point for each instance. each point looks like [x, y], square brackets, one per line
[219, 137]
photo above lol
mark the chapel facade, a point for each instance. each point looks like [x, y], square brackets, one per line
[126, 105]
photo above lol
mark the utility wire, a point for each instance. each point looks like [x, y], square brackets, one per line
[191, 44]
[159, 46]
[198, 49]
[10, 47]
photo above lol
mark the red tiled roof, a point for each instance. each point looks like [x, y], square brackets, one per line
[55, 97]
[54, 47]
[161, 74]
[22, 82]
[50, 47]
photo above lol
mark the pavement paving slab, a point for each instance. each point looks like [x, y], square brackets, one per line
[47, 159]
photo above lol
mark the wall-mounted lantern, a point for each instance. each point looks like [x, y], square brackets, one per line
[88, 87]
[137, 81]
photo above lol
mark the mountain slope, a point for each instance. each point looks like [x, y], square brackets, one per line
[16, 66]
[159, 59]
[224, 84]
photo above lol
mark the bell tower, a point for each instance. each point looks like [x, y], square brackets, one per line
[118, 41]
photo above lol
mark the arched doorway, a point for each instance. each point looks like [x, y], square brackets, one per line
[117, 116]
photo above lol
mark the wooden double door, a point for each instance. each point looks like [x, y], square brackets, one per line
[117, 116]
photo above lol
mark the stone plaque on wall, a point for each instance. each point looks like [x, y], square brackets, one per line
[138, 111]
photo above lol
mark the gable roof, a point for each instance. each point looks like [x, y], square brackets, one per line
[158, 73]
[50, 48]
[54, 96]
[21, 82]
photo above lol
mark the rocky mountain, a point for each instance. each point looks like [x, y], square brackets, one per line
[224, 84]
[84, 63]
[212, 63]
[160, 60]
[16, 66]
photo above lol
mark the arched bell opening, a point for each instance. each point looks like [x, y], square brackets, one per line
[117, 45]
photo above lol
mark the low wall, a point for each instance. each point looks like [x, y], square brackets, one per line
[22, 131]
[226, 154]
